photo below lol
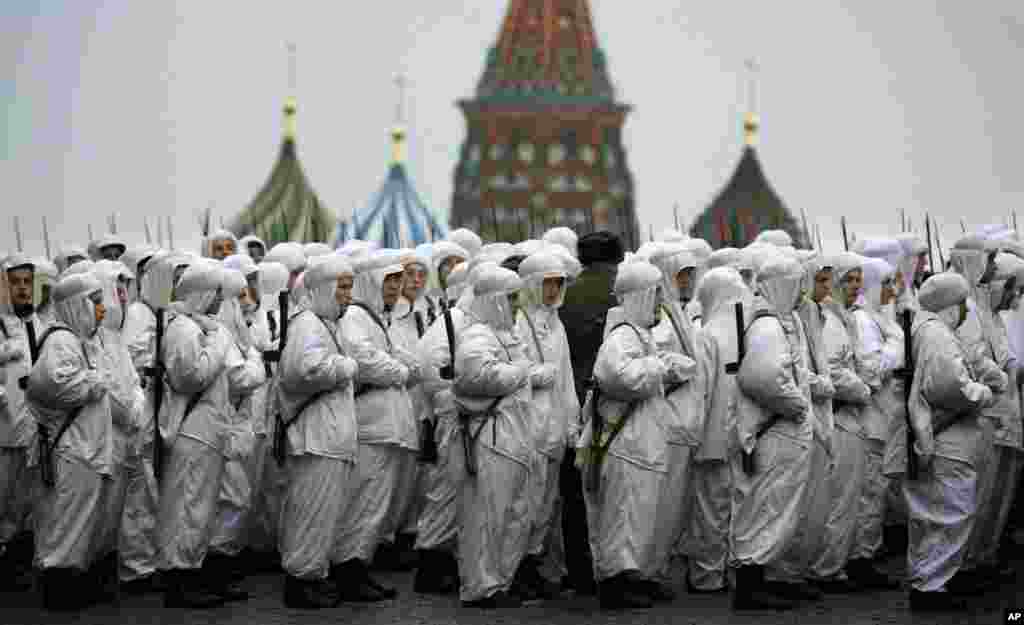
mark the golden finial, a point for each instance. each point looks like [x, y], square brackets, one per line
[291, 104]
[751, 120]
[398, 130]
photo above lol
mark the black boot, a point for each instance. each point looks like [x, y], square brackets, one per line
[863, 572]
[795, 591]
[433, 574]
[936, 602]
[498, 600]
[62, 590]
[406, 557]
[219, 572]
[522, 588]
[750, 592]
[304, 594]
[103, 578]
[621, 593]
[970, 583]
[186, 588]
[16, 563]
[352, 581]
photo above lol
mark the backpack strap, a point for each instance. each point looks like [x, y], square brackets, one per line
[376, 318]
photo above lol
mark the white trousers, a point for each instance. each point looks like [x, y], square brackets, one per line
[672, 514]
[437, 526]
[622, 517]
[711, 487]
[871, 509]
[234, 502]
[112, 498]
[318, 491]
[794, 565]
[15, 492]
[137, 540]
[364, 519]
[845, 487]
[941, 506]
[996, 515]
[68, 514]
[188, 503]
[494, 511]
[986, 466]
[767, 506]
[269, 482]
[403, 508]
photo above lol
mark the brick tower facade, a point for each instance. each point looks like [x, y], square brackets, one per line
[543, 144]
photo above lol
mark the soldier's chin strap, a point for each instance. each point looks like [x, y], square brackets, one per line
[23, 310]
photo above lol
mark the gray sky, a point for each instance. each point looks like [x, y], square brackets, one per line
[153, 108]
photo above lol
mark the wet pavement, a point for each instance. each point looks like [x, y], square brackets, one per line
[265, 608]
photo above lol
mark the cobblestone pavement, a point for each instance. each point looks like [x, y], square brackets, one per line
[265, 608]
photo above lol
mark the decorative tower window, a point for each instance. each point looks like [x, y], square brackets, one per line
[571, 144]
[618, 190]
[497, 152]
[526, 152]
[565, 20]
[497, 182]
[474, 153]
[539, 200]
[609, 157]
[568, 67]
[583, 184]
[559, 183]
[556, 154]
[521, 182]
[588, 154]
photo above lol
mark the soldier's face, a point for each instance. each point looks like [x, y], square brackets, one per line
[552, 290]
[852, 284]
[222, 249]
[99, 310]
[822, 285]
[888, 292]
[415, 279]
[111, 252]
[392, 288]
[20, 282]
[684, 282]
[343, 290]
[256, 252]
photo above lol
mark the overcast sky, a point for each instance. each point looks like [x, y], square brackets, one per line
[154, 108]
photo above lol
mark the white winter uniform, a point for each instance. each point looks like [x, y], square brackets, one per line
[622, 512]
[773, 399]
[245, 365]
[66, 384]
[840, 339]
[17, 426]
[555, 402]
[988, 358]
[1005, 412]
[316, 392]
[879, 355]
[809, 541]
[674, 335]
[388, 434]
[138, 548]
[194, 353]
[942, 503]
[718, 292]
[492, 387]
[437, 526]
[269, 481]
[127, 402]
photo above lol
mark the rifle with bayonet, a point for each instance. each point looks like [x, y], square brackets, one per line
[907, 375]
[156, 374]
[33, 350]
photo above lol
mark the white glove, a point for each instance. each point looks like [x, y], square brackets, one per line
[403, 375]
[347, 368]
[9, 352]
[98, 391]
[208, 324]
[543, 376]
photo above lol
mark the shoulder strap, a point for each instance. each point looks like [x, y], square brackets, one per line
[420, 328]
[54, 329]
[533, 331]
[329, 333]
[3, 328]
[376, 318]
[630, 326]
